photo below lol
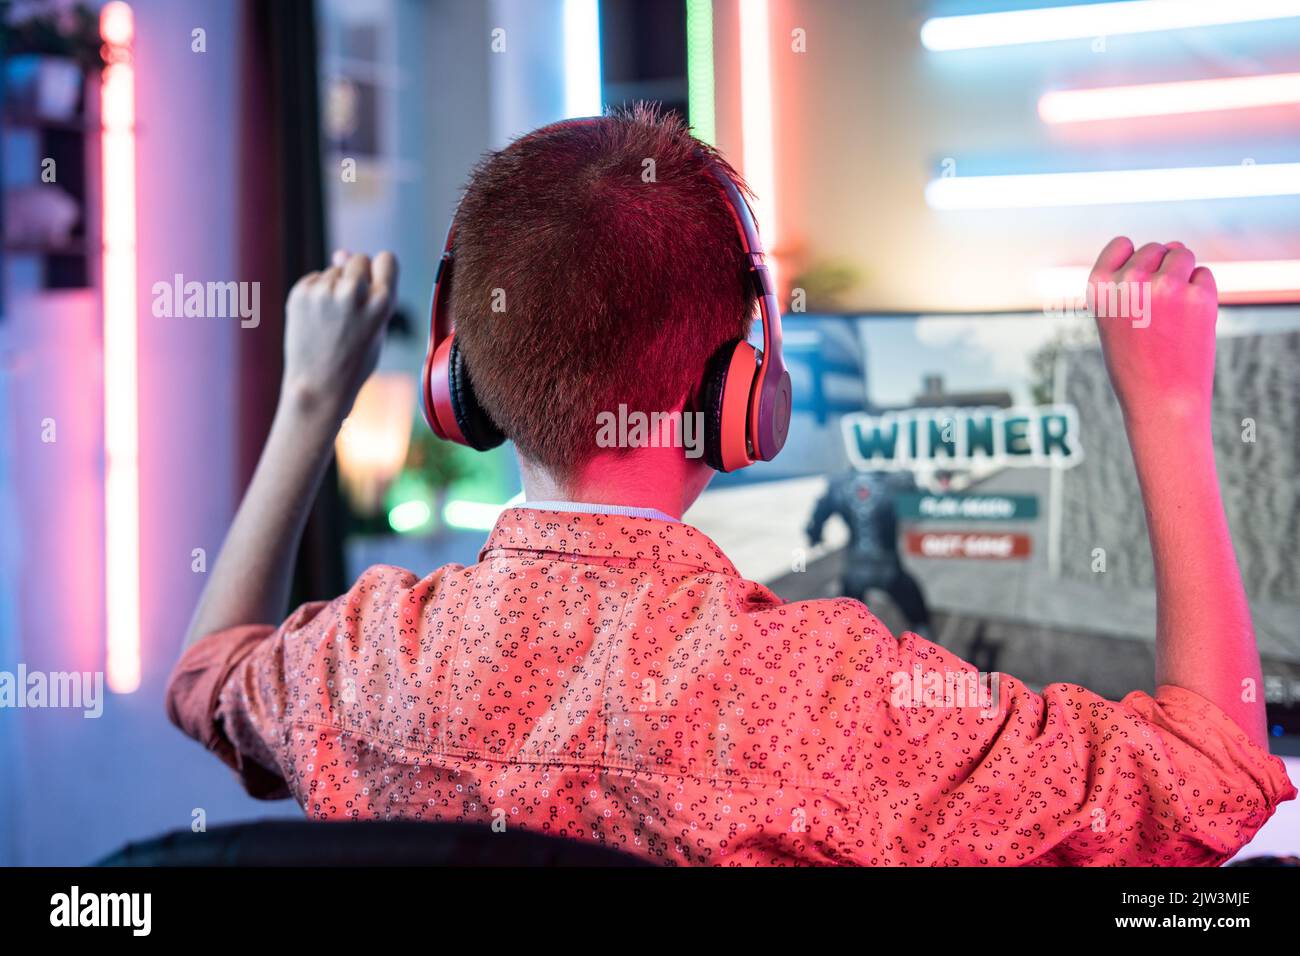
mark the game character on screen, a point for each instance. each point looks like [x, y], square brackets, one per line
[866, 502]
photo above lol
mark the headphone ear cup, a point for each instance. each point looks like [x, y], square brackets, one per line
[480, 432]
[728, 379]
[715, 383]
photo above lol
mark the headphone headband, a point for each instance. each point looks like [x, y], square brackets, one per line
[770, 400]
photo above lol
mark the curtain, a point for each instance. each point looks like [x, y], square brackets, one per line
[282, 235]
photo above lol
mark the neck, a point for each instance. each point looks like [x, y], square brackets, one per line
[659, 478]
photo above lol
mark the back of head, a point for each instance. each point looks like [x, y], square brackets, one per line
[597, 265]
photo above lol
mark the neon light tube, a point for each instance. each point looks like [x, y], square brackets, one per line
[1165, 99]
[121, 408]
[1113, 187]
[1241, 277]
[756, 120]
[582, 89]
[1085, 21]
[699, 70]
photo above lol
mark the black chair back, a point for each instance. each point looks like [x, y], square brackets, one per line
[369, 843]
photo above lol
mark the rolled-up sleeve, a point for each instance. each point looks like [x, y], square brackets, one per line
[1163, 780]
[1067, 777]
[1171, 779]
[228, 692]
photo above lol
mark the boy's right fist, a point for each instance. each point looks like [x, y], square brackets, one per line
[333, 329]
[1155, 311]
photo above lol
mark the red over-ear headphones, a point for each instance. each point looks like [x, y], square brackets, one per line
[745, 397]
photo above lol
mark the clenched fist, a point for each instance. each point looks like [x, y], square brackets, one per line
[1156, 311]
[334, 328]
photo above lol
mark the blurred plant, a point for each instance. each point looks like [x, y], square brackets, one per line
[52, 29]
[431, 466]
[434, 460]
[826, 284]
[414, 500]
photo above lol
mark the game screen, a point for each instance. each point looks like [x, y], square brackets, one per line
[969, 476]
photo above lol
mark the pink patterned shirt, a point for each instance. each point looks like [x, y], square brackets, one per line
[614, 679]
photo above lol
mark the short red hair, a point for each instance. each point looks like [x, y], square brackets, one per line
[612, 259]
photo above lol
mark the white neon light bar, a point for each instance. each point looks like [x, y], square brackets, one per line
[1086, 21]
[1241, 277]
[582, 89]
[1112, 187]
[756, 119]
[1164, 99]
[121, 399]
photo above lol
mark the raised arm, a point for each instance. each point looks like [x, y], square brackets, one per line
[333, 329]
[1161, 364]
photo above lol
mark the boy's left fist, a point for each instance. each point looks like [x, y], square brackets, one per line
[334, 326]
[1156, 311]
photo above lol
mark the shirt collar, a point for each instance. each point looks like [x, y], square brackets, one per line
[628, 537]
[585, 507]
